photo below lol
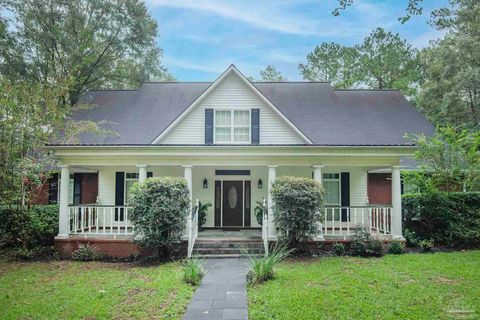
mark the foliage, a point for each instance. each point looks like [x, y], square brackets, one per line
[297, 204]
[338, 249]
[92, 290]
[449, 161]
[363, 245]
[259, 212]
[410, 238]
[35, 253]
[408, 286]
[160, 209]
[395, 247]
[382, 61]
[36, 227]
[86, 252]
[426, 246]
[95, 43]
[449, 219]
[262, 269]
[270, 73]
[202, 213]
[450, 90]
[192, 271]
[331, 62]
[413, 9]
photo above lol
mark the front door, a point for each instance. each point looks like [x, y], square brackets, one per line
[233, 203]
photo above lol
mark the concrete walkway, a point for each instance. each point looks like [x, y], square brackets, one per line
[222, 293]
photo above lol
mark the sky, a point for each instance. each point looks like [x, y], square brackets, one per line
[201, 38]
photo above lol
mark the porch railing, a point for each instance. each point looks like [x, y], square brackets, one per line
[341, 221]
[193, 228]
[265, 227]
[96, 219]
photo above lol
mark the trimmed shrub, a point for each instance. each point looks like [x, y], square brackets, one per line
[449, 219]
[395, 247]
[160, 210]
[32, 228]
[338, 249]
[297, 204]
[192, 271]
[262, 269]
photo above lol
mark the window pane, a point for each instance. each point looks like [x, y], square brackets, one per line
[332, 192]
[222, 135]
[240, 118]
[222, 118]
[241, 134]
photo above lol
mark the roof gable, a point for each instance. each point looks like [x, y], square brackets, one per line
[231, 71]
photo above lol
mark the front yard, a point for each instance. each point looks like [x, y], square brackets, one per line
[410, 286]
[92, 290]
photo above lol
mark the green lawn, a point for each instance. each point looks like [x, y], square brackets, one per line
[410, 286]
[71, 290]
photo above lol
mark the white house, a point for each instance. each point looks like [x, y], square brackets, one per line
[230, 139]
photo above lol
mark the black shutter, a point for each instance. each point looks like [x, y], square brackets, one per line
[53, 189]
[218, 201]
[345, 193]
[149, 174]
[119, 194]
[77, 188]
[255, 126]
[208, 126]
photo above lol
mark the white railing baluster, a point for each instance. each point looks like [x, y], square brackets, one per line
[126, 220]
[103, 211]
[120, 218]
[113, 211]
[348, 221]
[325, 224]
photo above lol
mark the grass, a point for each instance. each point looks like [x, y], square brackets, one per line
[92, 290]
[409, 286]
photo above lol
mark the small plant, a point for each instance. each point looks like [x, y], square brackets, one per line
[363, 245]
[192, 271]
[262, 269]
[85, 252]
[259, 212]
[395, 247]
[426, 246]
[338, 249]
[411, 238]
[202, 213]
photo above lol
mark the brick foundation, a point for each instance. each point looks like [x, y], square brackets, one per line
[111, 247]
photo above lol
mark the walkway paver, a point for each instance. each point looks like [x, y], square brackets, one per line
[222, 293]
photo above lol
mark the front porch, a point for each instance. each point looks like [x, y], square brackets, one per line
[236, 184]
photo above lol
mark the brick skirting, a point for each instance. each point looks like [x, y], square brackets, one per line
[111, 247]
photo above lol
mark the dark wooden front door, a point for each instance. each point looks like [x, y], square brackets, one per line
[233, 203]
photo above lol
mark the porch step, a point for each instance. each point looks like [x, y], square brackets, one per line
[227, 248]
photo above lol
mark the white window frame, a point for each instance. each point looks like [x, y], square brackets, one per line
[232, 126]
[339, 204]
[125, 185]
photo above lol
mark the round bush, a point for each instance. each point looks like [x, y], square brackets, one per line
[395, 247]
[297, 204]
[160, 210]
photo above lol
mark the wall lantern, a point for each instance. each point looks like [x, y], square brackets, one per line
[205, 183]
[260, 184]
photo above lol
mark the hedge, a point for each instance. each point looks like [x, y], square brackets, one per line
[449, 219]
[28, 228]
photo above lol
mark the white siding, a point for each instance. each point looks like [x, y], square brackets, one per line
[232, 92]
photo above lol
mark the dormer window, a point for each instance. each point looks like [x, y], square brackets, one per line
[232, 126]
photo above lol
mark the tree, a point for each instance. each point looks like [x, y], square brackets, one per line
[331, 62]
[450, 90]
[388, 62]
[413, 9]
[94, 43]
[270, 73]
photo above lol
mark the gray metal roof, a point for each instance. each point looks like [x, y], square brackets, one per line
[324, 115]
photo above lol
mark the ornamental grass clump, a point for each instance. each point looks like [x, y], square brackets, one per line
[192, 271]
[262, 269]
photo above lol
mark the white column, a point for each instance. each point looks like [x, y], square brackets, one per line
[187, 174]
[317, 173]
[272, 175]
[317, 176]
[63, 217]
[396, 203]
[142, 172]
